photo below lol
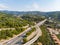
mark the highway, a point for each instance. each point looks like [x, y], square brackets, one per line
[39, 33]
[20, 36]
[15, 39]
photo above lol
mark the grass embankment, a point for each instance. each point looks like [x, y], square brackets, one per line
[33, 29]
[45, 39]
[28, 33]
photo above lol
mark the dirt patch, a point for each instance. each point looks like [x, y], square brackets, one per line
[39, 43]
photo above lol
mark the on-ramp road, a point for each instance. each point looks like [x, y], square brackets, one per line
[39, 33]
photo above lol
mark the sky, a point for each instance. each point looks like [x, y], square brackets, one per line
[30, 5]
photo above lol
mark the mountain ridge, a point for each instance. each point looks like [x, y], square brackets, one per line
[53, 14]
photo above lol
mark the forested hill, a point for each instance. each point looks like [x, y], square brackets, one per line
[7, 20]
[11, 21]
[23, 12]
[54, 14]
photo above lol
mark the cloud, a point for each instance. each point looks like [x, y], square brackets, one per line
[56, 5]
[52, 6]
[32, 7]
[35, 6]
[3, 7]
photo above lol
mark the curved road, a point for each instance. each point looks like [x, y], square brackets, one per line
[39, 33]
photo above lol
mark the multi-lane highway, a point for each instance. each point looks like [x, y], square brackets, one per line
[39, 33]
[20, 36]
[15, 39]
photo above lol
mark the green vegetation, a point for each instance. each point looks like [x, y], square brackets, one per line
[33, 18]
[4, 34]
[28, 33]
[58, 36]
[55, 16]
[45, 39]
[7, 20]
[51, 24]
[12, 21]
[25, 40]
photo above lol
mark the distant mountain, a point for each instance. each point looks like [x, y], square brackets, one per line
[54, 14]
[23, 12]
[12, 12]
